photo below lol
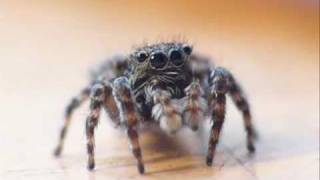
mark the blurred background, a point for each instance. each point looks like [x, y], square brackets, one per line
[47, 47]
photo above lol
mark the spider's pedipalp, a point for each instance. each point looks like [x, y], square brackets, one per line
[164, 111]
[74, 104]
[128, 115]
[194, 105]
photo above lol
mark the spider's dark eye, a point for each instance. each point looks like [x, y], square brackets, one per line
[176, 57]
[187, 49]
[142, 56]
[158, 60]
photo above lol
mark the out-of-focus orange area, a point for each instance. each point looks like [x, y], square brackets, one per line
[81, 32]
[47, 47]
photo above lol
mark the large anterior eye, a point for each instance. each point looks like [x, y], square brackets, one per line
[176, 57]
[158, 60]
[142, 56]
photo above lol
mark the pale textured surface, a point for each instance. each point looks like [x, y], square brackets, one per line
[46, 48]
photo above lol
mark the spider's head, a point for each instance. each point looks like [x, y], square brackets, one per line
[160, 64]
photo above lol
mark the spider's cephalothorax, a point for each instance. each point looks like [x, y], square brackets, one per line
[161, 65]
[164, 84]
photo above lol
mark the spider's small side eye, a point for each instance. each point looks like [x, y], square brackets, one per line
[176, 57]
[142, 56]
[187, 49]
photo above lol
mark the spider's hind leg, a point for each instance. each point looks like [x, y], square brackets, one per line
[74, 104]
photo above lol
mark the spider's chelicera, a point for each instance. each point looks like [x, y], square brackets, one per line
[164, 84]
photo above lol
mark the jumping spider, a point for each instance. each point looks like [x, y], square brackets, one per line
[164, 84]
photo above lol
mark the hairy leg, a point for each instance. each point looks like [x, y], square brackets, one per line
[128, 115]
[194, 105]
[242, 104]
[97, 97]
[107, 70]
[218, 115]
[74, 104]
[221, 82]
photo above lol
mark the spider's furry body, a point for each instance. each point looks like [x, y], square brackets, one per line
[162, 83]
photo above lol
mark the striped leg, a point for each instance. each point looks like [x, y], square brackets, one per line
[218, 82]
[74, 104]
[194, 105]
[97, 97]
[218, 115]
[222, 82]
[243, 105]
[122, 93]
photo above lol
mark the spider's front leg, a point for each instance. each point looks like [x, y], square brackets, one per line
[97, 96]
[218, 115]
[128, 115]
[221, 82]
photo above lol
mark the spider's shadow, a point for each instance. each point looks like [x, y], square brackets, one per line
[184, 152]
[165, 153]
[161, 153]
